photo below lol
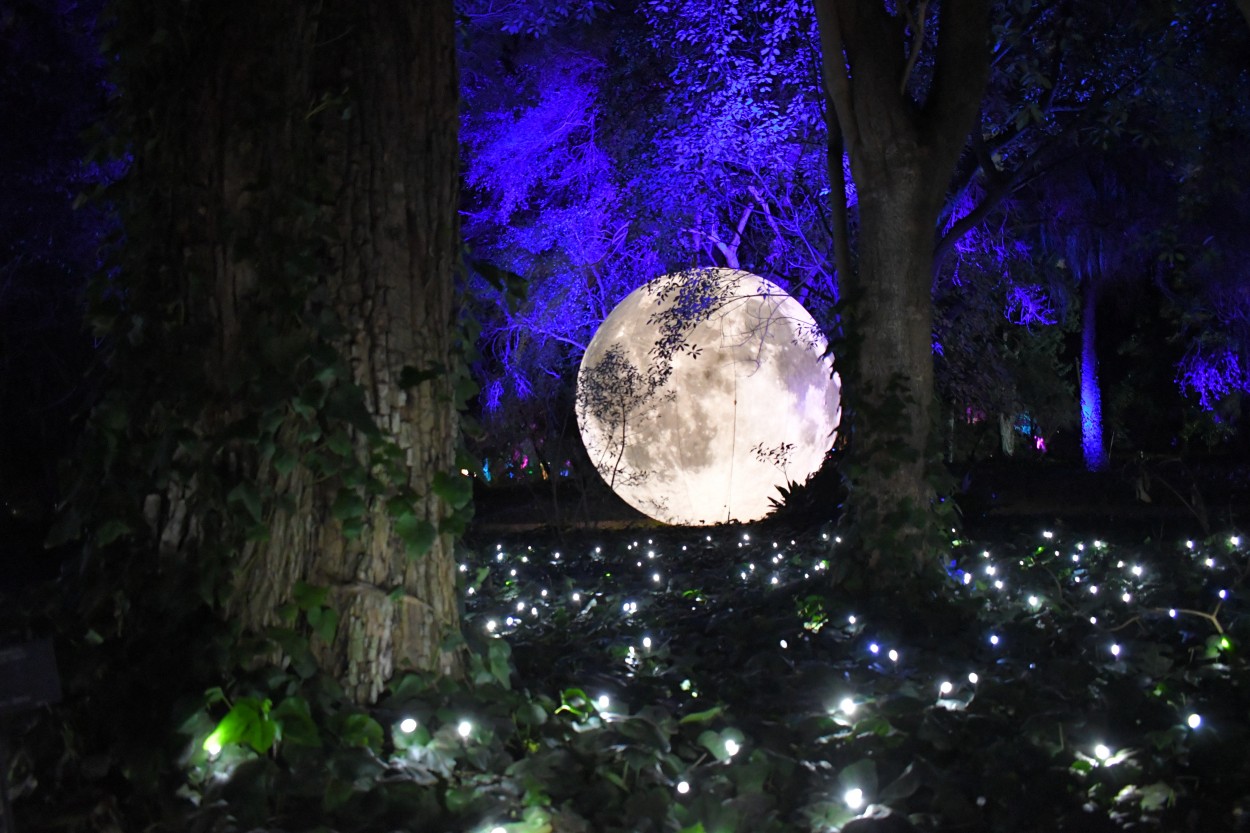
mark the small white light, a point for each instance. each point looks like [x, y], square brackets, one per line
[989, 569]
[603, 702]
[491, 624]
[1093, 620]
[1223, 594]
[646, 642]
[1115, 650]
[1194, 721]
[993, 639]
[874, 648]
[1093, 588]
[1119, 565]
[1075, 558]
[945, 688]
[1101, 752]
[998, 585]
[851, 619]
[784, 644]
[731, 747]
[498, 830]
[1034, 601]
[683, 787]
[854, 798]
[655, 577]
[847, 706]
[1210, 562]
[1189, 544]
[212, 746]
[577, 597]
[464, 568]
[973, 678]
[464, 729]
[1172, 612]
[1137, 570]
[1048, 535]
[520, 606]
[408, 725]
[1235, 540]
[1127, 597]
[774, 580]
[893, 655]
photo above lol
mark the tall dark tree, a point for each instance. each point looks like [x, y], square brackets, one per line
[282, 319]
[903, 132]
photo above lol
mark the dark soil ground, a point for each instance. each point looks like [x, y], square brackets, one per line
[1157, 498]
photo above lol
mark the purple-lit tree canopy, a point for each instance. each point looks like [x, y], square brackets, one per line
[604, 145]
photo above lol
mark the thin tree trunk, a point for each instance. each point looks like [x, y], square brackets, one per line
[1092, 446]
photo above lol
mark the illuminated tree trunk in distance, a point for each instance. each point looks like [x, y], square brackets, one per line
[1091, 393]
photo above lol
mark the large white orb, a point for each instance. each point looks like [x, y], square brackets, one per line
[699, 422]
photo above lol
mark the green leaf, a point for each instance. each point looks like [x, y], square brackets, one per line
[860, 775]
[295, 723]
[703, 716]
[246, 494]
[455, 489]
[308, 596]
[410, 377]
[417, 534]
[110, 531]
[324, 622]
[359, 729]
[246, 723]
[348, 505]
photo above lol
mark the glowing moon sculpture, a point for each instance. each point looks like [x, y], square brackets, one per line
[702, 392]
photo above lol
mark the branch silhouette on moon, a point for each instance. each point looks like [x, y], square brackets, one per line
[703, 392]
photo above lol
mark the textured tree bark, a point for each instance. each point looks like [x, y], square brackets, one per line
[360, 99]
[902, 151]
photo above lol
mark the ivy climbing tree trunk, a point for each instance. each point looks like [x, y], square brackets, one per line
[903, 134]
[293, 225]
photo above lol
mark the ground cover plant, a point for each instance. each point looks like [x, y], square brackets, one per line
[730, 679]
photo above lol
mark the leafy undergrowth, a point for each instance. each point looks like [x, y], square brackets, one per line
[684, 680]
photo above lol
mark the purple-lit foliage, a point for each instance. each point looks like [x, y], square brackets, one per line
[599, 157]
[1213, 375]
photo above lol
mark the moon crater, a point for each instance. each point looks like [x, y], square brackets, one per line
[702, 392]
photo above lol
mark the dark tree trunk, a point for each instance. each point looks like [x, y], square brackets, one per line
[903, 145]
[314, 145]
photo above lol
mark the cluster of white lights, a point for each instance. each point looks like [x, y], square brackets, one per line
[1128, 587]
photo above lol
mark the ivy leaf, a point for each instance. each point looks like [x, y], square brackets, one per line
[455, 489]
[246, 723]
[110, 531]
[295, 723]
[703, 716]
[359, 729]
[417, 534]
[245, 493]
[308, 596]
[348, 505]
[411, 377]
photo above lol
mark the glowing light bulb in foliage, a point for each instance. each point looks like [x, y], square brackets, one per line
[702, 393]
